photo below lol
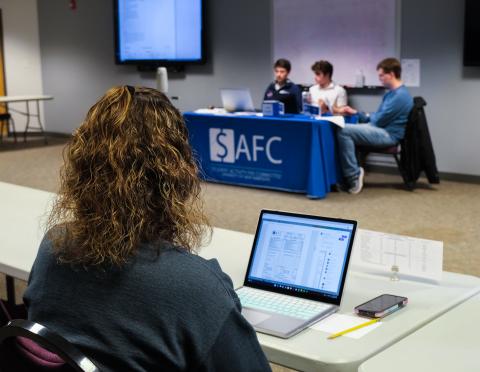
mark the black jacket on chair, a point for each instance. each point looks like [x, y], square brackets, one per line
[417, 149]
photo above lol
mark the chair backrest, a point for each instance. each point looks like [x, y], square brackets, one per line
[37, 346]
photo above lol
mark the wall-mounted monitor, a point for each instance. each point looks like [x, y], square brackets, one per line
[471, 48]
[159, 32]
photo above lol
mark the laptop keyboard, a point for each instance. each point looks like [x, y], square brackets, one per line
[280, 304]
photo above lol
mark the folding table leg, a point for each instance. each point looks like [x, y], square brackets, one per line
[27, 124]
[10, 290]
[40, 123]
[13, 310]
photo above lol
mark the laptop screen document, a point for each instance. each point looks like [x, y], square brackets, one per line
[301, 254]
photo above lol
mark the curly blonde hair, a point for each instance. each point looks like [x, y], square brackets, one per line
[129, 177]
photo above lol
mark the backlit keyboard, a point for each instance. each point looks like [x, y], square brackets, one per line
[279, 303]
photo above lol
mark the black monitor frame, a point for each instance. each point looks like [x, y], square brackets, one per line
[471, 49]
[177, 63]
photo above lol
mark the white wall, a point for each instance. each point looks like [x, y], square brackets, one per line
[328, 35]
[23, 70]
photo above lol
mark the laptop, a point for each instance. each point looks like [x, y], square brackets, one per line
[296, 272]
[235, 100]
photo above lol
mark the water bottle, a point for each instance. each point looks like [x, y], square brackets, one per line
[306, 97]
[359, 79]
[162, 80]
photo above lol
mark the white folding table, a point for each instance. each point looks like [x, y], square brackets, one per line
[310, 350]
[449, 343]
[22, 211]
[27, 113]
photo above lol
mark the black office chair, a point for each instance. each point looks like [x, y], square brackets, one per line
[5, 120]
[397, 150]
[29, 346]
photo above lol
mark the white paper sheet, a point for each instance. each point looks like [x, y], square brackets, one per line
[337, 120]
[223, 112]
[340, 322]
[411, 72]
[247, 113]
[414, 257]
[214, 111]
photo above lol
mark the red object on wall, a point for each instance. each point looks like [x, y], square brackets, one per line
[73, 4]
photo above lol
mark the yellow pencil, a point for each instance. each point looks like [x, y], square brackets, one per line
[334, 335]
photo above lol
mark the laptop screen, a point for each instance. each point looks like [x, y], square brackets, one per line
[305, 256]
[237, 100]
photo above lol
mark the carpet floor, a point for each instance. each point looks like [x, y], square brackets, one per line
[449, 212]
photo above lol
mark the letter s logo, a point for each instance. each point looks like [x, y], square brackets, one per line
[222, 146]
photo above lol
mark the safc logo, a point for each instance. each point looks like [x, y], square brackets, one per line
[225, 148]
[222, 148]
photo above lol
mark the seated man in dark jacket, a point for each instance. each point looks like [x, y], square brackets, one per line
[284, 90]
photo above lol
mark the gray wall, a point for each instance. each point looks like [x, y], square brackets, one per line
[77, 63]
[77, 50]
[451, 90]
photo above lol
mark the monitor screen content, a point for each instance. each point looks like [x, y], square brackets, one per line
[301, 254]
[164, 30]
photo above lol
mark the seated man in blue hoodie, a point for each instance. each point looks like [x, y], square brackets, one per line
[284, 90]
[384, 128]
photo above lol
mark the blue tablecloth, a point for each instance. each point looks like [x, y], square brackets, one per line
[293, 153]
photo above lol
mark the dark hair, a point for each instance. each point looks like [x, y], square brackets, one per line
[390, 65]
[324, 67]
[283, 63]
[129, 177]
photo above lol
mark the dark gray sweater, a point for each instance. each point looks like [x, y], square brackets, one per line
[167, 311]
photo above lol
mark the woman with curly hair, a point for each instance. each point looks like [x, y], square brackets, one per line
[117, 274]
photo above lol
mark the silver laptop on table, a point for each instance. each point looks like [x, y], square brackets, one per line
[235, 100]
[296, 272]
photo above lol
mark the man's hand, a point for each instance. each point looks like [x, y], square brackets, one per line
[323, 106]
[338, 110]
[346, 110]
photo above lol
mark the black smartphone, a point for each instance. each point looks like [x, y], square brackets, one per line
[381, 306]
